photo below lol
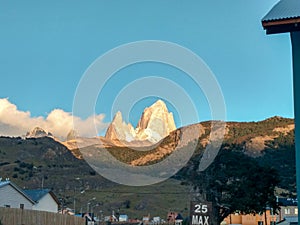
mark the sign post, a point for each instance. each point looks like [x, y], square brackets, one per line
[201, 213]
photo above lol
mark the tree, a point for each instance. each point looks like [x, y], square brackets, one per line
[235, 182]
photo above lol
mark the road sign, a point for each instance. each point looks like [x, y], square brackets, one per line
[201, 213]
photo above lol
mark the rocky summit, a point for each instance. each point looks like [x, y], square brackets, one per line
[155, 123]
[38, 132]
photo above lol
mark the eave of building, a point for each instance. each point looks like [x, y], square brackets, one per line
[54, 197]
[282, 26]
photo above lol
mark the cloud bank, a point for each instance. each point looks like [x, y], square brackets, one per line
[14, 122]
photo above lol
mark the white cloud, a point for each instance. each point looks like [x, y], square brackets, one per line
[14, 122]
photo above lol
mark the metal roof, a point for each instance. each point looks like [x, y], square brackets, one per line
[288, 201]
[36, 195]
[284, 9]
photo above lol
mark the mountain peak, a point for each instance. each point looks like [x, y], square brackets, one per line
[38, 132]
[155, 123]
[159, 104]
[119, 130]
[118, 116]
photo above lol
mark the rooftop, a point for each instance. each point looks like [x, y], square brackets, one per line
[284, 9]
[283, 17]
[288, 201]
[36, 195]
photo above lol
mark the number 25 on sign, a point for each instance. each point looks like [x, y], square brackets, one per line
[200, 213]
[200, 208]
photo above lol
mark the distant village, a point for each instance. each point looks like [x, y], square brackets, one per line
[14, 201]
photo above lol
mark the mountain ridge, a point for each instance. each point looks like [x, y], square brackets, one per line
[38, 132]
[252, 137]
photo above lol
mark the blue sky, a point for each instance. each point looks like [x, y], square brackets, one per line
[46, 46]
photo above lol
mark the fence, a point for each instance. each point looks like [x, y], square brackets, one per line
[10, 216]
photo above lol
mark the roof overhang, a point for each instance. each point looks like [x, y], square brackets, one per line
[54, 197]
[282, 26]
[283, 17]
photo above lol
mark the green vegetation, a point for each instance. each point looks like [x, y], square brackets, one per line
[240, 132]
[127, 155]
[137, 202]
[30, 162]
[235, 182]
[280, 155]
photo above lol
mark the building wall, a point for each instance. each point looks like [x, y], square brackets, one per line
[234, 219]
[11, 197]
[250, 219]
[288, 211]
[46, 203]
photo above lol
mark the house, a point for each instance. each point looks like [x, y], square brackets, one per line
[288, 209]
[171, 217]
[123, 218]
[288, 214]
[44, 199]
[14, 197]
[156, 220]
[89, 218]
[266, 218]
[146, 219]
[178, 219]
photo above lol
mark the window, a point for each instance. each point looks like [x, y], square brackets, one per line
[7, 206]
[296, 211]
[287, 211]
[21, 206]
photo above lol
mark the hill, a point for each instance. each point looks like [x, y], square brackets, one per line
[270, 142]
[37, 162]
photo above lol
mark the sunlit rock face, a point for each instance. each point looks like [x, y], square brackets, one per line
[155, 123]
[119, 130]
